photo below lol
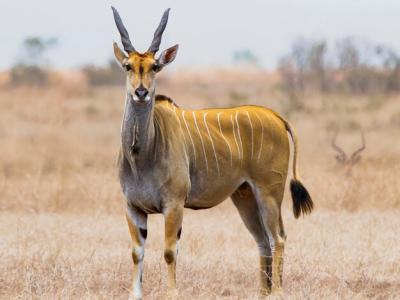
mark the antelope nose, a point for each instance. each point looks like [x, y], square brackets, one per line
[141, 92]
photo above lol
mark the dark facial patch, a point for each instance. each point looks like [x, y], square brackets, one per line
[141, 70]
[143, 233]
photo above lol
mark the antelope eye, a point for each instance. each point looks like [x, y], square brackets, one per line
[156, 67]
[127, 67]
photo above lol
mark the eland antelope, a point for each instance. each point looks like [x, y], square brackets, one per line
[173, 158]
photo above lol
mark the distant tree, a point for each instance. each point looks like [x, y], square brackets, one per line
[355, 66]
[298, 55]
[306, 66]
[317, 64]
[34, 49]
[30, 69]
[292, 83]
[366, 67]
[392, 63]
[348, 54]
[245, 57]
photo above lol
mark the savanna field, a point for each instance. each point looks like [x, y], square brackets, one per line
[62, 227]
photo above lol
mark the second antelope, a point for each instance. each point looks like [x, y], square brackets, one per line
[173, 158]
[343, 159]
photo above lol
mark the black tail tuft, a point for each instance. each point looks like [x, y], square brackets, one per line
[302, 203]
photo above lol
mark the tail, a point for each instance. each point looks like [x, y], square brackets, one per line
[302, 202]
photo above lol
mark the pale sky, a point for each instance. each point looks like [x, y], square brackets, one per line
[208, 31]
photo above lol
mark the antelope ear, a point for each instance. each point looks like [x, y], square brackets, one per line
[119, 54]
[168, 56]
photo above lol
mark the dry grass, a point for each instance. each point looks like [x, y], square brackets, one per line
[329, 255]
[62, 231]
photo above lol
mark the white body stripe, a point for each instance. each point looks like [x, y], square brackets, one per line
[252, 136]
[180, 126]
[262, 137]
[190, 136]
[226, 141]
[238, 128]
[201, 139]
[234, 135]
[212, 143]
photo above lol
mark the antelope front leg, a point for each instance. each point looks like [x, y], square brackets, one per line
[137, 223]
[173, 226]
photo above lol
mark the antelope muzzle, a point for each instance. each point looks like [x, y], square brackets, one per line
[141, 95]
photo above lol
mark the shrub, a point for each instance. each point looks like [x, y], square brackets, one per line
[22, 74]
[109, 75]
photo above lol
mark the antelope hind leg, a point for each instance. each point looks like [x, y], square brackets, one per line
[270, 210]
[248, 209]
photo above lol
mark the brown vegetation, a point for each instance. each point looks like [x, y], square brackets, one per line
[62, 230]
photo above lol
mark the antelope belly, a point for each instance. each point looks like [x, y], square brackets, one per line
[206, 194]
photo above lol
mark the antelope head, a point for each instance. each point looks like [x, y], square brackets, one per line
[141, 68]
[341, 156]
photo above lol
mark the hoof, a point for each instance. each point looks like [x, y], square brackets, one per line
[134, 297]
[264, 293]
[277, 293]
[172, 294]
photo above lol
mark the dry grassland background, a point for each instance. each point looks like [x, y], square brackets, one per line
[63, 232]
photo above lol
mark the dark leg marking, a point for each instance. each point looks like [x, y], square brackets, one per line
[179, 233]
[135, 258]
[169, 256]
[143, 232]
